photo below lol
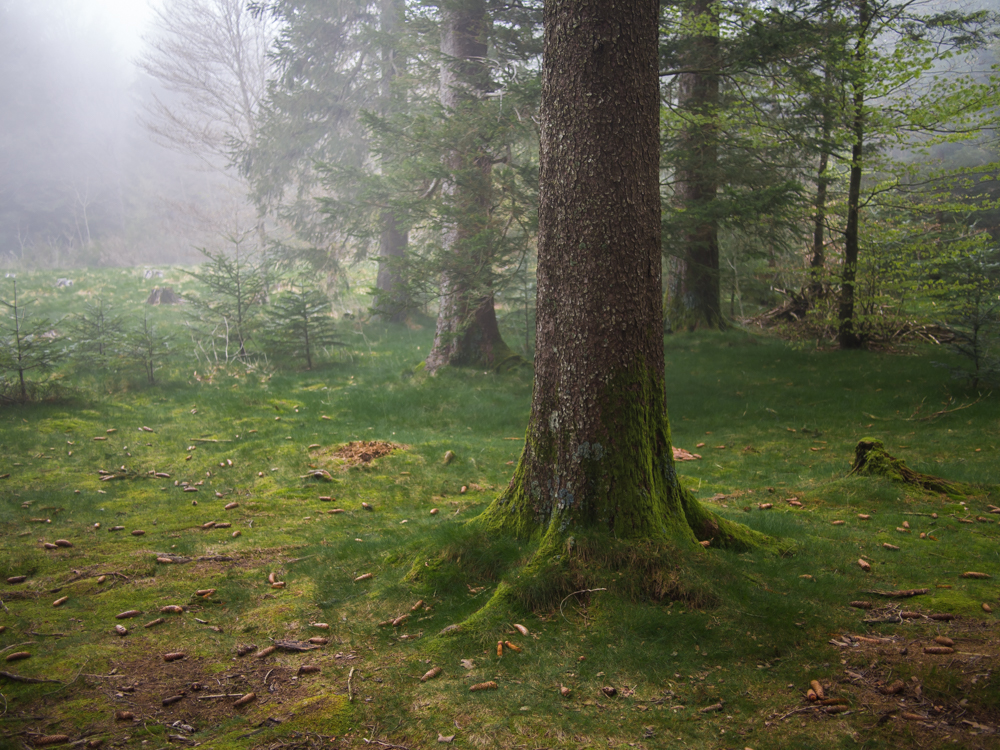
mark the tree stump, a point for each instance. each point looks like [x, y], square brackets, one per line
[872, 460]
[163, 296]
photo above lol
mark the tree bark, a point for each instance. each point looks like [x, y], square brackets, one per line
[597, 454]
[818, 261]
[695, 301]
[391, 300]
[848, 335]
[467, 332]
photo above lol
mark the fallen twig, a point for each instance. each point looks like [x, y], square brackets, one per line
[15, 645]
[797, 711]
[581, 591]
[350, 696]
[948, 411]
[894, 618]
[386, 744]
[219, 695]
[901, 594]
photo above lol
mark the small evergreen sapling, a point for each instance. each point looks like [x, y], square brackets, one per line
[98, 335]
[230, 311]
[300, 324]
[971, 293]
[26, 344]
[147, 346]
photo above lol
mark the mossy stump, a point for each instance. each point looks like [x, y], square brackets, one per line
[872, 460]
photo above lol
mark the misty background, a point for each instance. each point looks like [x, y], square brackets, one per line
[118, 143]
[101, 162]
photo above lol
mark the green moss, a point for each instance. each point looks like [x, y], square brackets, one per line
[871, 459]
[633, 498]
[324, 714]
[631, 488]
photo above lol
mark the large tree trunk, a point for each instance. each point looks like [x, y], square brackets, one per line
[467, 332]
[695, 299]
[597, 454]
[848, 335]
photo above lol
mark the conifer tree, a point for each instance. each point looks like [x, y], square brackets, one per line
[27, 345]
[228, 314]
[300, 324]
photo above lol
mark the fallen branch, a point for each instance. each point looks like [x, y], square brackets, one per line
[901, 594]
[947, 411]
[871, 459]
[29, 680]
[318, 474]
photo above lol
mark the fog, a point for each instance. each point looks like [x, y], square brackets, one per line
[120, 124]
[83, 181]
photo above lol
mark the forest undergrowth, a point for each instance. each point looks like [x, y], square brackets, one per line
[286, 552]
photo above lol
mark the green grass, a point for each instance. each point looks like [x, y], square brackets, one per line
[751, 630]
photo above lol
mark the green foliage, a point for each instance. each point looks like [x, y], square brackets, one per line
[299, 325]
[758, 622]
[969, 295]
[228, 315]
[146, 345]
[27, 345]
[97, 335]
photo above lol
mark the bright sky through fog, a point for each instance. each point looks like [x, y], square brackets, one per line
[125, 20]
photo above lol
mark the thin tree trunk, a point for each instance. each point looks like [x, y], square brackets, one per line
[390, 300]
[467, 332]
[818, 260]
[696, 299]
[848, 335]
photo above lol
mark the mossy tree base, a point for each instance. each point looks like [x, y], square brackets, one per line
[467, 335]
[596, 484]
[872, 460]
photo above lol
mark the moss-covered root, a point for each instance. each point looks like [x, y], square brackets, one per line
[872, 460]
[724, 534]
[591, 562]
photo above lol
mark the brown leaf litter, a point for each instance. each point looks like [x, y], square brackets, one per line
[356, 453]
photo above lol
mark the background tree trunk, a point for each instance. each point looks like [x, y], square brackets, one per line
[848, 335]
[695, 299]
[391, 300]
[467, 332]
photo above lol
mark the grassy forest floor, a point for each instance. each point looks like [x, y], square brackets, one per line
[243, 503]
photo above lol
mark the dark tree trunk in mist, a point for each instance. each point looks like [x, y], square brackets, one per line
[391, 301]
[695, 296]
[848, 335]
[818, 260]
[597, 452]
[467, 332]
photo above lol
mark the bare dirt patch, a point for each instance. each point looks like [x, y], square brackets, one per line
[907, 680]
[357, 453]
[193, 696]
